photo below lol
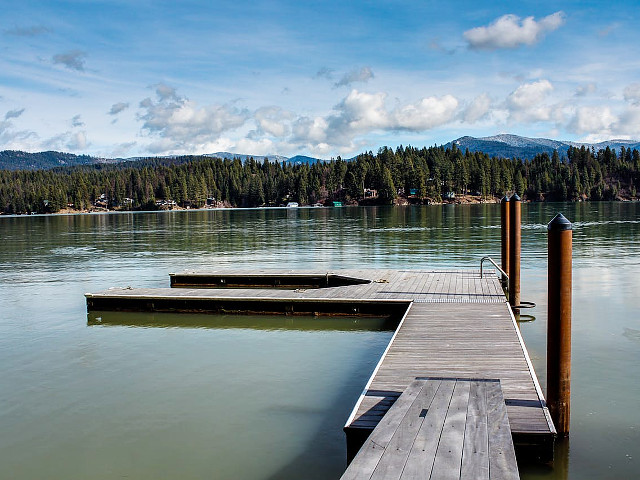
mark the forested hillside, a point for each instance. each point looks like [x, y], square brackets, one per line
[424, 175]
[16, 160]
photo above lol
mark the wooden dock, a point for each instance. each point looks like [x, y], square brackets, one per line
[461, 341]
[441, 428]
[450, 324]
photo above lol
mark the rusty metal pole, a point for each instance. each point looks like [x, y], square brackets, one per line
[515, 241]
[560, 233]
[504, 237]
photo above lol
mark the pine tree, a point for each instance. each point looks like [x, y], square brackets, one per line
[387, 192]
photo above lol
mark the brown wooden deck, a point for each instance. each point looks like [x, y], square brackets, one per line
[453, 324]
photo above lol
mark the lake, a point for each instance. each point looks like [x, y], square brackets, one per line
[197, 396]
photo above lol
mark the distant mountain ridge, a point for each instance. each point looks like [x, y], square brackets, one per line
[504, 145]
[509, 146]
[295, 160]
[245, 157]
[18, 160]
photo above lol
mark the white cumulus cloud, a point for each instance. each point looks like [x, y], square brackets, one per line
[273, 121]
[477, 109]
[593, 120]
[12, 139]
[181, 125]
[527, 103]
[510, 31]
[361, 113]
[311, 131]
[263, 146]
[529, 94]
[78, 141]
[425, 114]
[67, 141]
[628, 123]
[121, 149]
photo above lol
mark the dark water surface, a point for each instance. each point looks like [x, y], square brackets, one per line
[195, 396]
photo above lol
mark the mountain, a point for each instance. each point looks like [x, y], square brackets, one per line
[17, 160]
[245, 157]
[505, 145]
[295, 160]
[510, 146]
[300, 159]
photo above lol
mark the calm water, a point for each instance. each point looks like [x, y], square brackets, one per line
[175, 396]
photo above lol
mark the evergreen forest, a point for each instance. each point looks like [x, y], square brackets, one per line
[403, 175]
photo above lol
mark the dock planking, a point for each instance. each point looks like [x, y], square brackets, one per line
[462, 341]
[441, 428]
[349, 292]
[451, 324]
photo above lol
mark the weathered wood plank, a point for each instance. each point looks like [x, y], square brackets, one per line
[449, 453]
[423, 452]
[439, 433]
[364, 465]
[502, 455]
[392, 462]
[475, 451]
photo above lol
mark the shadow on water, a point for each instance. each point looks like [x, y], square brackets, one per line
[557, 470]
[333, 462]
[313, 465]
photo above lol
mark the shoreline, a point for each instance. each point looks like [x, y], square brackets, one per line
[457, 202]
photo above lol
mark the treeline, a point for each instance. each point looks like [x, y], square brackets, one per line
[424, 175]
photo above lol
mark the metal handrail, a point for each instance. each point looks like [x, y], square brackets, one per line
[495, 265]
[505, 277]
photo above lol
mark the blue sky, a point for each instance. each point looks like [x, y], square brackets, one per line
[129, 78]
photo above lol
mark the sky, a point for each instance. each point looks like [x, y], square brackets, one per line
[126, 78]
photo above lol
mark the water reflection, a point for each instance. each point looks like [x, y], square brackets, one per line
[522, 318]
[254, 322]
[348, 237]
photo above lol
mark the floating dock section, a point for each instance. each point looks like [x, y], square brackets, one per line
[451, 324]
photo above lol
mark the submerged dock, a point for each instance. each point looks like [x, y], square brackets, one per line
[451, 324]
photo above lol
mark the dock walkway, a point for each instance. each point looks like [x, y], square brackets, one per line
[451, 324]
[461, 341]
[441, 429]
